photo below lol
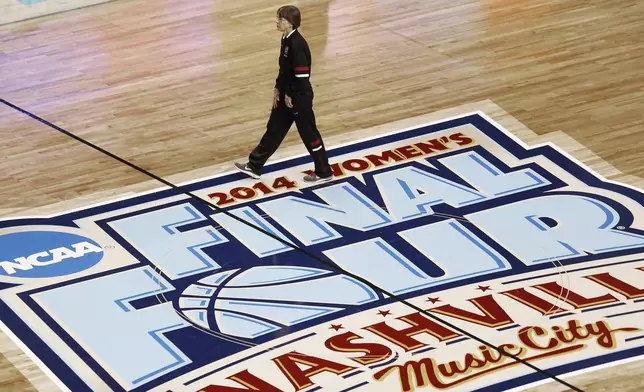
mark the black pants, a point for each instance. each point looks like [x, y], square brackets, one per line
[280, 121]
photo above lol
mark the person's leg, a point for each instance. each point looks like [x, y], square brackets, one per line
[307, 128]
[277, 127]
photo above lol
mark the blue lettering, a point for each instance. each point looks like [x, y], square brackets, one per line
[307, 220]
[129, 342]
[409, 192]
[379, 263]
[448, 244]
[459, 252]
[489, 179]
[258, 242]
[555, 227]
[177, 254]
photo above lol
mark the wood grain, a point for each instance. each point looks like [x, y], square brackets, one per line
[185, 87]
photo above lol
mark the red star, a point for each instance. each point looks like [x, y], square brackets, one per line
[336, 327]
[433, 300]
[484, 288]
[384, 313]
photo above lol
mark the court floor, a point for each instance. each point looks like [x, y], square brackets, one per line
[433, 113]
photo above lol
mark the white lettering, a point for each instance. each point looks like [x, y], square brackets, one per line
[33, 259]
[83, 248]
[56, 255]
[21, 263]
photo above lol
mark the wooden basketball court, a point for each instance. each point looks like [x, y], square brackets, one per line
[183, 89]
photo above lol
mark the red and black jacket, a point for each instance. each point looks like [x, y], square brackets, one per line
[295, 65]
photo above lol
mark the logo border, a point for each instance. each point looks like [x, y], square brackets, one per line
[486, 125]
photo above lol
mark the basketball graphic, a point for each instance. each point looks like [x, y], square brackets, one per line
[260, 300]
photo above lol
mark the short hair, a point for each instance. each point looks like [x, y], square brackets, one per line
[290, 13]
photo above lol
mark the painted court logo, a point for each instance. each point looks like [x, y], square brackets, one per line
[44, 254]
[426, 239]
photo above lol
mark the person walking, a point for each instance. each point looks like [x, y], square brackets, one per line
[292, 102]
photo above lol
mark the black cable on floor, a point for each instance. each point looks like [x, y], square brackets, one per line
[315, 257]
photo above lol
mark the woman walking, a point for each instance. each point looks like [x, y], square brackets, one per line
[292, 102]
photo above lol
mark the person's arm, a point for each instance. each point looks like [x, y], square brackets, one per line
[276, 93]
[301, 69]
[279, 83]
[278, 80]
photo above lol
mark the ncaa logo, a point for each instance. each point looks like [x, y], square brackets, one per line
[46, 254]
